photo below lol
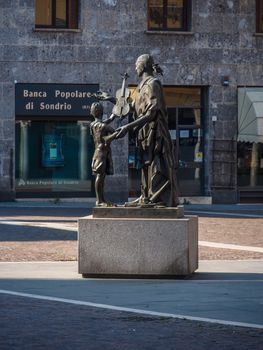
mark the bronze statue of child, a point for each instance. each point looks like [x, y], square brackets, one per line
[102, 164]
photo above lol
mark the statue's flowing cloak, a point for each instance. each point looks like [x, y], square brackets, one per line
[155, 147]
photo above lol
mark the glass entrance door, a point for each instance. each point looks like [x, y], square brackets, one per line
[187, 135]
[250, 171]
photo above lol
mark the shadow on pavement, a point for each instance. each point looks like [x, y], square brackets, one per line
[45, 212]
[226, 299]
[228, 215]
[18, 233]
[226, 276]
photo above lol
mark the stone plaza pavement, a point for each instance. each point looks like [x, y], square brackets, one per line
[46, 304]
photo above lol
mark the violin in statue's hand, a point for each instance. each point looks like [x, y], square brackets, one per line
[122, 106]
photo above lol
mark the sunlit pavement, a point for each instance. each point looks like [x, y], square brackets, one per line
[228, 291]
[220, 306]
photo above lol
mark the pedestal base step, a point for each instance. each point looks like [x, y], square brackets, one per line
[128, 246]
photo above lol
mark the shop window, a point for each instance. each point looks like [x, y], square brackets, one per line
[259, 16]
[250, 165]
[53, 158]
[170, 15]
[56, 14]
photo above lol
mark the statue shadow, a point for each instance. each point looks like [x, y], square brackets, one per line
[25, 233]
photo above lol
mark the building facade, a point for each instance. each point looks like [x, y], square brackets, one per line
[55, 53]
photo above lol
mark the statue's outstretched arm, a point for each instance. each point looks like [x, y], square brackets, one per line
[110, 119]
[136, 124]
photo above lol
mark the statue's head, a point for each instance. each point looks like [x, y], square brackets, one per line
[96, 110]
[144, 63]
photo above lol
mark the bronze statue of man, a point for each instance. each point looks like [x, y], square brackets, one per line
[102, 164]
[155, 148]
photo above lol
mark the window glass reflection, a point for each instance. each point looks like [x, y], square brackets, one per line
[168, 14]
[56, 13]
[175, 14]
[260, 16]
[156, 14]
[53, 157]
[61, 13]
[44, 12]
[249, 164]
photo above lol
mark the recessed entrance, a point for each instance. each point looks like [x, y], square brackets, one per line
[186, 124]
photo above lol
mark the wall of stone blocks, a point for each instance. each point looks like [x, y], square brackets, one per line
[112, 34]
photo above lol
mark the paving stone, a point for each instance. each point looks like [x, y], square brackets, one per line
[34, 324]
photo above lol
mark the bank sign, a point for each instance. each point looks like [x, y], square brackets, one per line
[54, 99]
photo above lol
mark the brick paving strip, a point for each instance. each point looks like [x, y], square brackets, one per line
[230, 246]
[71, 227]
[220, 238]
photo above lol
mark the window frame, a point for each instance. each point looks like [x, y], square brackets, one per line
[187, 7]
[259, 6]
[71, 21]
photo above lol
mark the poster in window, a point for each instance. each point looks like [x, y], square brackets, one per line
[184, 134]
[198, 157]
[173, 134]
[52, 155]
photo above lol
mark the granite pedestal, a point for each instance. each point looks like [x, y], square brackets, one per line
[138, 246]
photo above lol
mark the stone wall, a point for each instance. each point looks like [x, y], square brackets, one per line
[112, 34]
